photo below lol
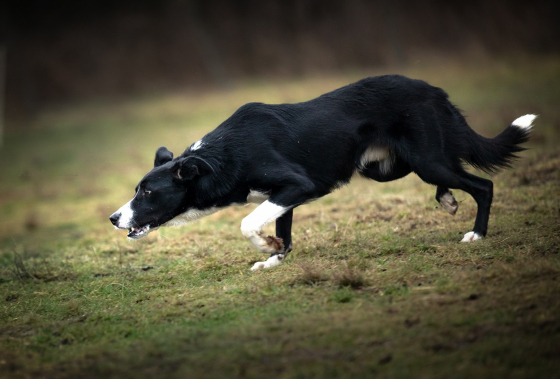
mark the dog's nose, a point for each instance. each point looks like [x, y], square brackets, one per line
[115, 218]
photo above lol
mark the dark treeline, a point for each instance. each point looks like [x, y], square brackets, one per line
[71, 50]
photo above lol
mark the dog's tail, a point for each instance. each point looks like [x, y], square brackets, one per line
[492, 154]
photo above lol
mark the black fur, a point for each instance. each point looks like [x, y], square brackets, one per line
[298, 152]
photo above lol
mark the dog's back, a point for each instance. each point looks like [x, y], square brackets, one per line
[387, 118]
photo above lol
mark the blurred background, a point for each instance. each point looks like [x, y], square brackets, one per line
[90, 89]
[60, 51]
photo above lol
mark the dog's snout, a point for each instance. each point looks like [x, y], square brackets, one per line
[115, 218]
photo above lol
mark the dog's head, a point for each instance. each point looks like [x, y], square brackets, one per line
[161, 195]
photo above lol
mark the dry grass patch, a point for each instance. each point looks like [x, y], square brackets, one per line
[350, 277]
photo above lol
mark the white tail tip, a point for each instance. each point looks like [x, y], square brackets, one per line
[525, 122]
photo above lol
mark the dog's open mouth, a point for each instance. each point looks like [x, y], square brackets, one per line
[136, 233]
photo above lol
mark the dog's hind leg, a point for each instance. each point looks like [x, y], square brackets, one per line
[445, 197]
[480, 189]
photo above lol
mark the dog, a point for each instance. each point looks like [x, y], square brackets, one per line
[284, 155]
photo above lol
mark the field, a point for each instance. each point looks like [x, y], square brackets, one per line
[377, 284]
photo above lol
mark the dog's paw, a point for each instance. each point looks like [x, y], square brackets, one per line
[471, 236]
[449, 203]
[274, 243]
[266, 244]
[275, 260]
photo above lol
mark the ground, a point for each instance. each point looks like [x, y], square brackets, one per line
[377, 282]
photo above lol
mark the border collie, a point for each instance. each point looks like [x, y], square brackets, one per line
[284, 155]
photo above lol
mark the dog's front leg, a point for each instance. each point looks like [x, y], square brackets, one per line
[284, 230]
[284, 233]
[301, 190]
[251, 227]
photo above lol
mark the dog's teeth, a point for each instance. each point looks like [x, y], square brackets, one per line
[137, 230]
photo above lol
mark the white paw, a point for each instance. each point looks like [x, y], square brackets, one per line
[275, 260]
[471, 236]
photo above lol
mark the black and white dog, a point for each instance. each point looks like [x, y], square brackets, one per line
[285, 155]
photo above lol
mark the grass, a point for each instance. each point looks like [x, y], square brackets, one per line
[377, 283]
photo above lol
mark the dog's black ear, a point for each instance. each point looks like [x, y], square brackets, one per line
[190, 167]
[162, 156]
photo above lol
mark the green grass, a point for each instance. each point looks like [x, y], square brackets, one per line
[377, 283]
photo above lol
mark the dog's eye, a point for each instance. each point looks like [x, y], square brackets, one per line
[146, 192]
